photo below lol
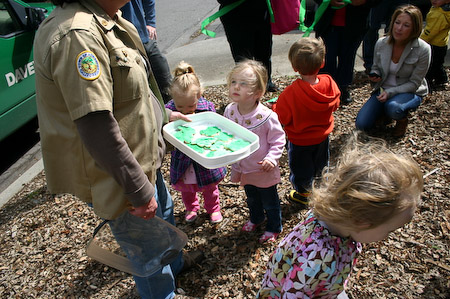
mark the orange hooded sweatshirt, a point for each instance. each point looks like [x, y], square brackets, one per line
[306, 111]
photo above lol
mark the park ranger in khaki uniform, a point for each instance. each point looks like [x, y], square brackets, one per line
[100, 123]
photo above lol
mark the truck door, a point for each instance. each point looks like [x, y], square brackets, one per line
[17, 89]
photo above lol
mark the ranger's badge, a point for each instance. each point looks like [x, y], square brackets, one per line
[88, 66]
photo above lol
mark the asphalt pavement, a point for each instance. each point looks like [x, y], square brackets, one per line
[211, 57]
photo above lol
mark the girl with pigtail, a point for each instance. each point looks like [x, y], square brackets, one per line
[186, 175]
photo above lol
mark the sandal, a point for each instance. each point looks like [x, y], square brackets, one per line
[268, 237]
[250, 226]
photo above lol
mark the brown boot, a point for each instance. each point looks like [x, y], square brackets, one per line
[382, 121]
[400, 127]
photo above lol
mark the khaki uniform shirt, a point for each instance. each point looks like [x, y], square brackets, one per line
[86, 62]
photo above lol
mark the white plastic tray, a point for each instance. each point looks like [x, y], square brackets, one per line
[203, 120]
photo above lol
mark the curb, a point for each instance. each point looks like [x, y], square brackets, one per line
[22, 180]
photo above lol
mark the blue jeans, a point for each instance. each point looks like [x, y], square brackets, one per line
[260, 200]
[396, 107]
[162, 283]
[307, 162]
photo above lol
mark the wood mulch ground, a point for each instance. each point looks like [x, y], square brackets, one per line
[42, 253]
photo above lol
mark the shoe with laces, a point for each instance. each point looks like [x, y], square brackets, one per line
[249, 226]
[190, 216]
[268, 237]
[216, 217]
[297, 197]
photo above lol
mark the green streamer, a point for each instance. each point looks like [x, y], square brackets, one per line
[216, 15]
[319, 12]
[269, 6]
[302, 15]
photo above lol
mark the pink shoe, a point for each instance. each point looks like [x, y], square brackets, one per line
[216, 217]
[268, 237]
[249, 226]
[190, 216]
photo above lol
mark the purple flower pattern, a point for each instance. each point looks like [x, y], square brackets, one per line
[310, 262]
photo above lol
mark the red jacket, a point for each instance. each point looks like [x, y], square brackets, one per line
[305, 110]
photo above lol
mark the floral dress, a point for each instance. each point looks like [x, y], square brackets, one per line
[309, 263]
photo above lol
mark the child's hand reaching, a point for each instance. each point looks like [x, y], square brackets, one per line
[175, 115]
[266, 165]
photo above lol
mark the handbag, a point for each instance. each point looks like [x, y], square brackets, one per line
[285, 14]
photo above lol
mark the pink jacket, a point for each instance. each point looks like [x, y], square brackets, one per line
[263, 122]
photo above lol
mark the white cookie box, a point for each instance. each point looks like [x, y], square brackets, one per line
[201, 121]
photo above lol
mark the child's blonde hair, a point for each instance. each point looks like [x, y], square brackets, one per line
[307, 55]
[369, 186]
[258, 84]
[184, 79]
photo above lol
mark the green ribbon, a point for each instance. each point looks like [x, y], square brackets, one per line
[346, 2]
[319, 12]
[272, 100]
[302, 15]
[224, 10]
[269, 6]
[218, 14]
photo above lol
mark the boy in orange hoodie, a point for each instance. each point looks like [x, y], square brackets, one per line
[305, 110]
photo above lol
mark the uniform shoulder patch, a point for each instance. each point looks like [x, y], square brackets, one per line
[88, 66]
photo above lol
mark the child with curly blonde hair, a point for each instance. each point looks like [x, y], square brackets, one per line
[186, 175]
[370, 193]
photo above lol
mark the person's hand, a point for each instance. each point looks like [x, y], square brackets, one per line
[266, 165]
[358, 2]
[337, 3]
[382, 97]
[151, 32]
[175, 115]
[146, 211]
[374, 78]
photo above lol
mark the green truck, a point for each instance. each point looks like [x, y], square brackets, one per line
[19, 21]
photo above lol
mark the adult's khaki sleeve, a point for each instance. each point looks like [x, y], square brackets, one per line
[83, 94]
[100, 134]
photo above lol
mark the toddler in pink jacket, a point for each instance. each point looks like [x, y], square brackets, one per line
[260, 172]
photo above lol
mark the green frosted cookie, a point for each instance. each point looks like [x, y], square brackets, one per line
[217, 153]
[210, 131]
[184, 134]
[224, 136]
[217, 146]
[196, 148]
[204, 141]
[237, 145]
